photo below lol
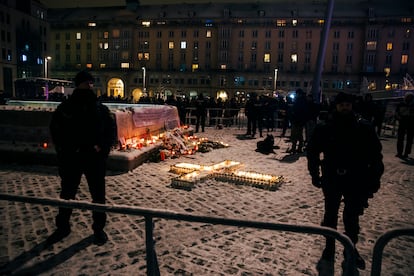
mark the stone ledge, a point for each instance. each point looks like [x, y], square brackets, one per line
[121, 161]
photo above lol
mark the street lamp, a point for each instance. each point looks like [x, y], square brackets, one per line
[46, 67]
[274, 81]
[144, 71]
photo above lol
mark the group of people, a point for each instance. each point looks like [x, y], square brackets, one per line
[344, 155]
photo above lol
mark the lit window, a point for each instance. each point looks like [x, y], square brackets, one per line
[106, 34]
[266, 58]
[194, 67]
[321, 21]
[102, 65]
[78, 36]
[294, 22]
[387, 71]
[183, 45]
[124, 65]
[280, 23]
[389, 46]
[91, 24]
[146, 23]
[24, 58]
[171, 45]
[106, 45]
[125, 55]
[89, 65]
[146, 56]
[223, 66]
[115, 33]
[371, 45]
[294, 58]
[208, 34]
[404, 59]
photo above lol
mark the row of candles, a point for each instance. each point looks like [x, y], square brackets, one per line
[173, 143]
[138, 143]
[224, 171]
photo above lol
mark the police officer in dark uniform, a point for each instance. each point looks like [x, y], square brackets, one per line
[201, 112]
[83, 131]
[251, 114]
[350, 169]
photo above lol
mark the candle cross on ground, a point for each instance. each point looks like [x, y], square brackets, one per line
[227, 171]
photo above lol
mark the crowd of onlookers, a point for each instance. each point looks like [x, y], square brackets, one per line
[258, 113]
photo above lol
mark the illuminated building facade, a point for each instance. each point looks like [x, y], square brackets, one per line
[24, 38]
[230, 50]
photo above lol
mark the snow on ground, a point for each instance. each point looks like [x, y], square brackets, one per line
[185, 248]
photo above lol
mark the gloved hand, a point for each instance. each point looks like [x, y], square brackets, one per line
[316, 181]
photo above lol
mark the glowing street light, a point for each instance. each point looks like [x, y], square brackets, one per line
[275, 79]
[144, 71]
[46, 65]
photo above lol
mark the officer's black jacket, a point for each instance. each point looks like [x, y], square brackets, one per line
[81, 122]
[346, 148]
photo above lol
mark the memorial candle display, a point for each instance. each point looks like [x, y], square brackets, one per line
[226, 171]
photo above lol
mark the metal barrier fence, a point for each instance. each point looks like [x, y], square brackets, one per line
[382, 242]
[149, 214]
[219, 116]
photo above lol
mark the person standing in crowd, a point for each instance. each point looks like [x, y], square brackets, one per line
[285, 105]
[298, 118]
[270, 110]
[83, 132]
[259, 107]
[380, 110]
[313, 113]
[201, 113]
[350, 169]
[404, 114]
[251, 114]
[367, 109]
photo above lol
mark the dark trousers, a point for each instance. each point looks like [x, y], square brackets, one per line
[201, 121]
[296, 136]
[71, 169]
[353, 208]
[251, 125]
[405, 130]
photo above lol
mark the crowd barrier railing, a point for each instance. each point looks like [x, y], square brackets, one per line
[149, 214]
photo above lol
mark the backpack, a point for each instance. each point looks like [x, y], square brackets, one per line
[266, 146]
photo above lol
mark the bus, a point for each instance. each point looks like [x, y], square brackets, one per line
[42, 89]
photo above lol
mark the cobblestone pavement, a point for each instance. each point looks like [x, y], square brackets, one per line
[185, 248]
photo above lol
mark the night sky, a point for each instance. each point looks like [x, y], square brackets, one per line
[97, 3]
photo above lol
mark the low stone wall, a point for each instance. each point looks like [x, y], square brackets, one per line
[25, 136]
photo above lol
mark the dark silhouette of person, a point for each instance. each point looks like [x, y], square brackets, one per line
[298, 117]
[201, 112]
[349, 171]
[251, 114]
[404, 113]
[83, 132]
[270, 108]
[380, 110]
[285, 108]
[313, 114]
